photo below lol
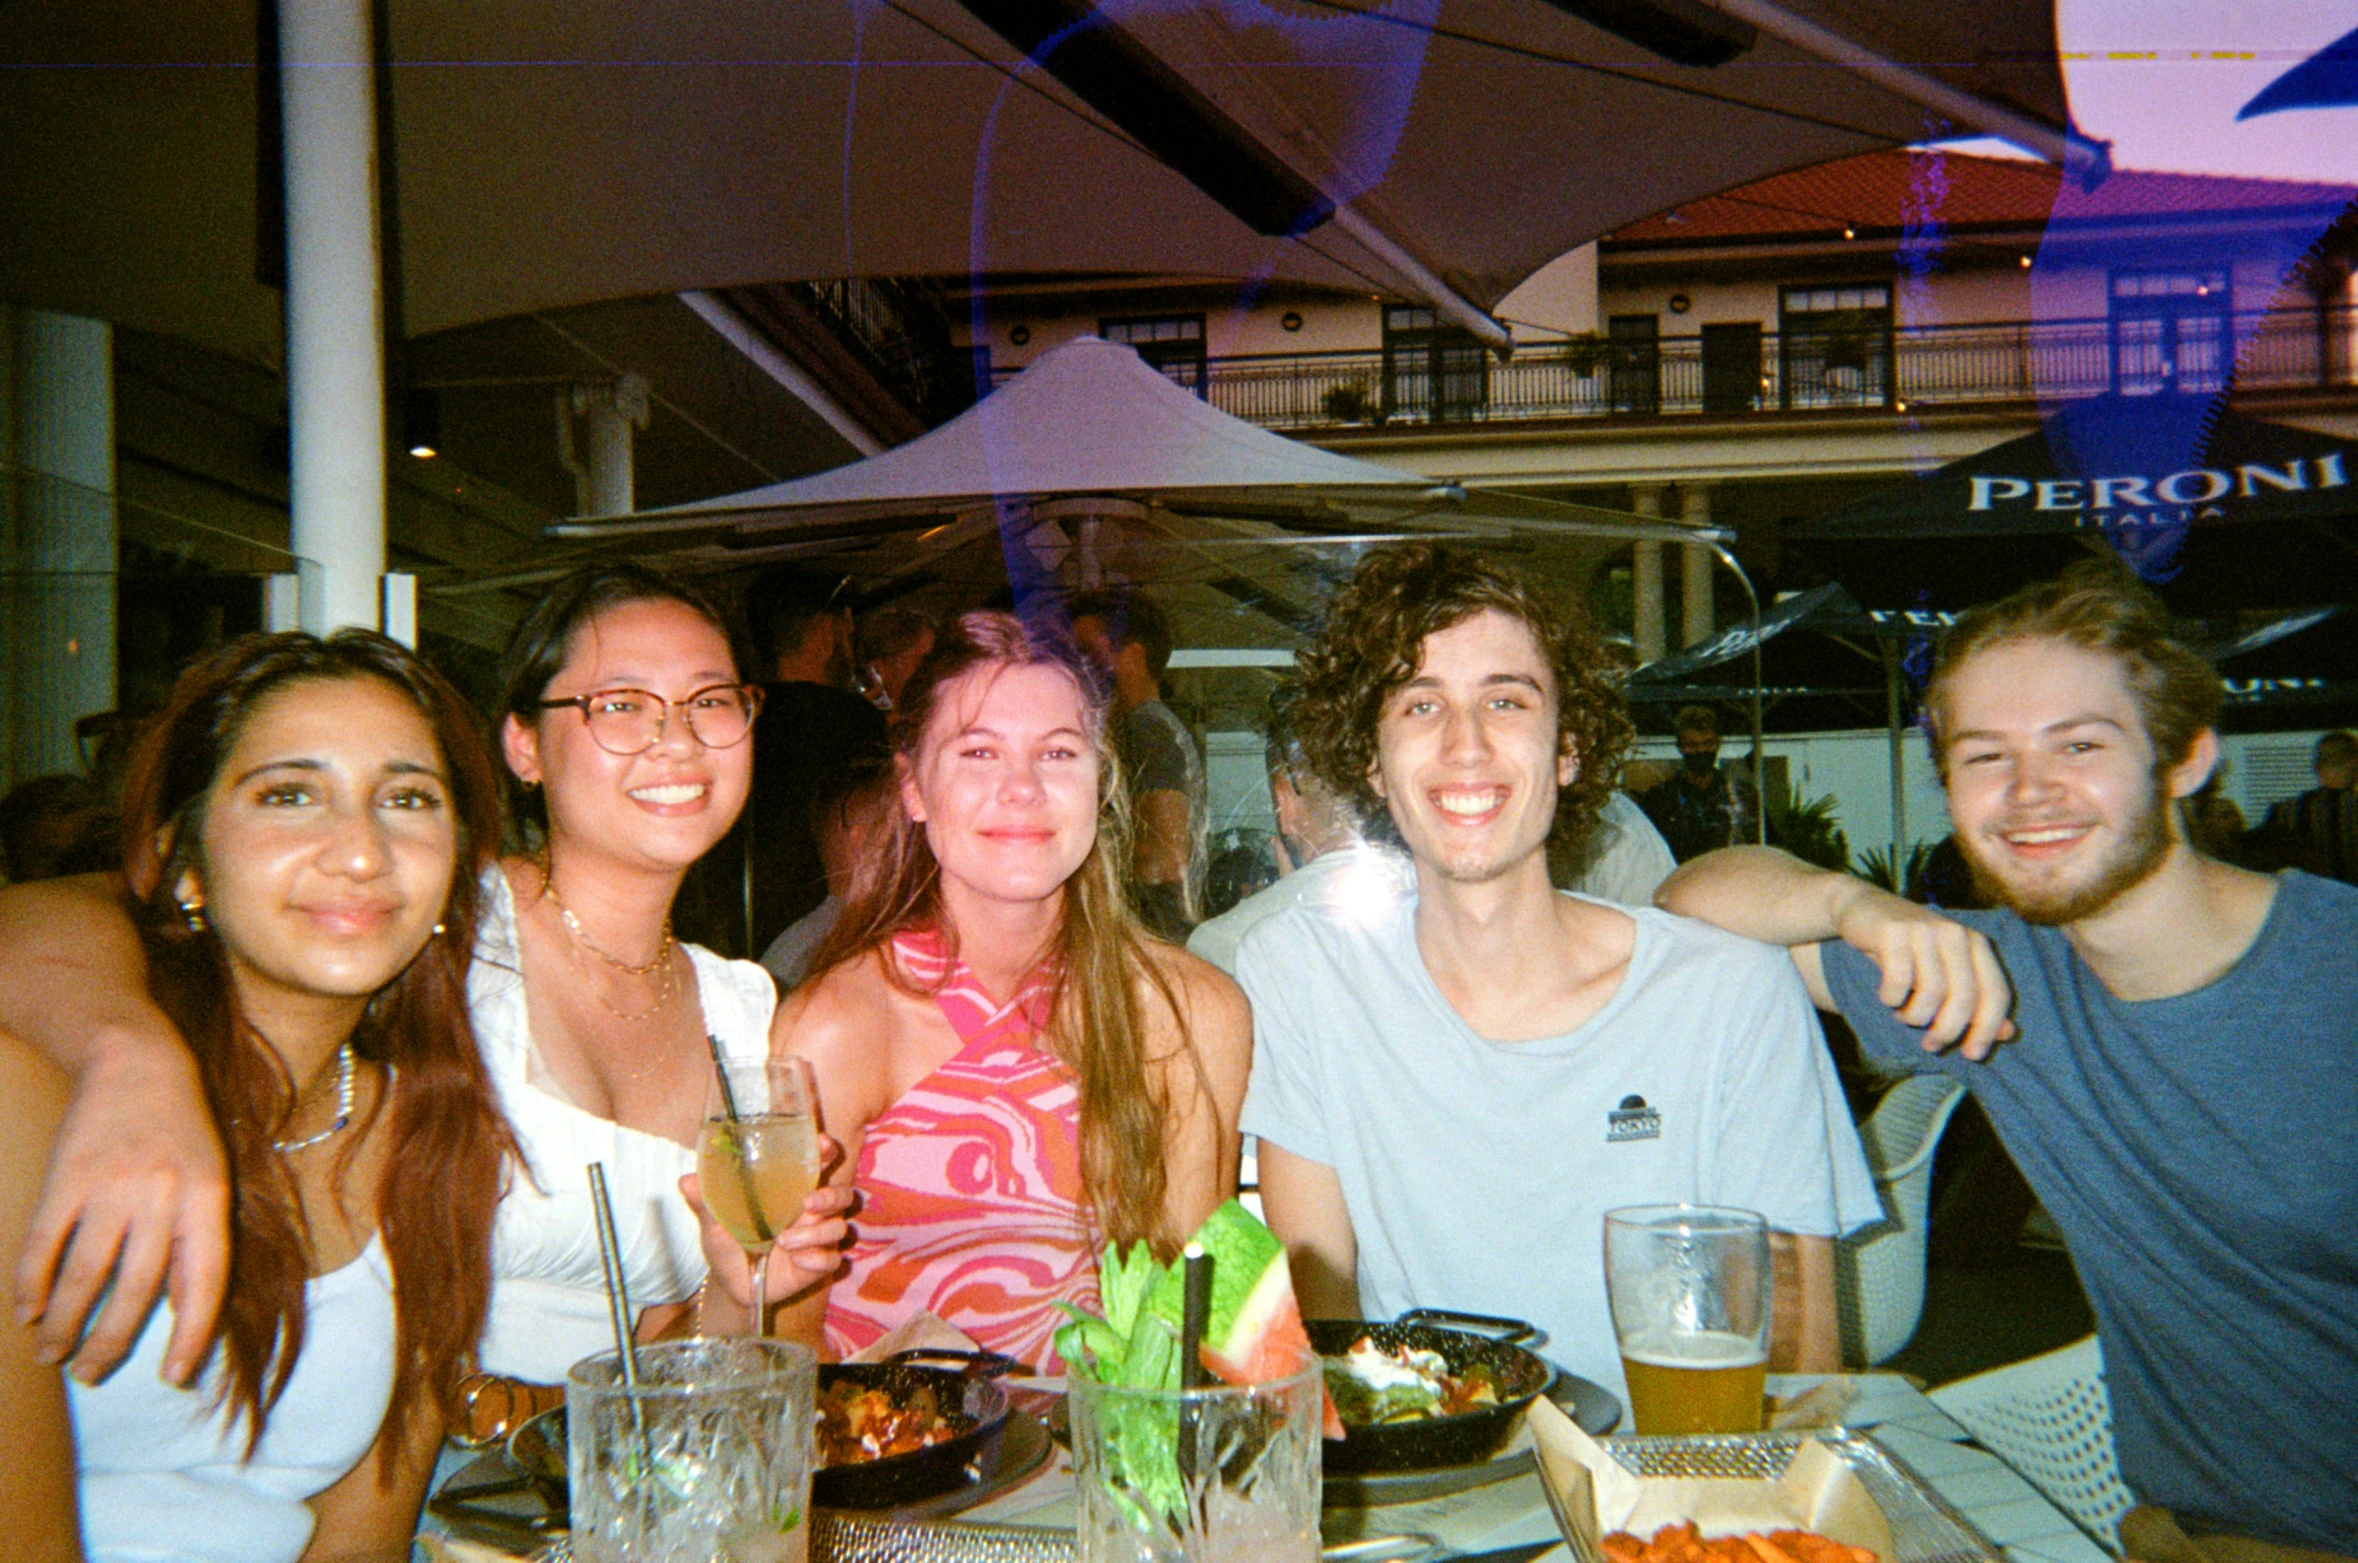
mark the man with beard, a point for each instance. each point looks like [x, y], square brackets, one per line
[2176, 1080]
[1457, 1070]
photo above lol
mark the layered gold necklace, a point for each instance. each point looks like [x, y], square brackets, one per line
[661, 968]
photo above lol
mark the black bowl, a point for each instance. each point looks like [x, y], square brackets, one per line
[1460, 1439]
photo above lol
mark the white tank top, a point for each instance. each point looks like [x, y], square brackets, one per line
[548, 1296]
[164, 1474]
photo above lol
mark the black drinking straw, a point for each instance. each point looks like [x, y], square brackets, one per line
[720, 1072]
[1195, 1314]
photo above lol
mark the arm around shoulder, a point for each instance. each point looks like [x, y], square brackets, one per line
[137, 1189]
[1938, 974]
[77, 977]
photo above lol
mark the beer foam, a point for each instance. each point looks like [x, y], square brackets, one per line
[1701, 1349]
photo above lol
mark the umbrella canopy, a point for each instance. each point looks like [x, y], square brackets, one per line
[543, 156]
[2243, 469]
[1089, 417]
[1091, 464]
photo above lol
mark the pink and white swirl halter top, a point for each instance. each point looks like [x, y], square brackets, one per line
[971, 1202]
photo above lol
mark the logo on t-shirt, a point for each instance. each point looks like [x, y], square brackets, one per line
[1632, 1120]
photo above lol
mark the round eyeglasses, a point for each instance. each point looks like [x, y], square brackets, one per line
[631, 721]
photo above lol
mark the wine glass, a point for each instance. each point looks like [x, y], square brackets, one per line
[758, 1156]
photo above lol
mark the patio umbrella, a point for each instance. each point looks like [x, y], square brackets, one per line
[1090, 463]
[1829, 610]
[544, 156]
[2232, 512]
[2243, 470]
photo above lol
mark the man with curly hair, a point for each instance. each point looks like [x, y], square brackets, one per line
[1452, 1084]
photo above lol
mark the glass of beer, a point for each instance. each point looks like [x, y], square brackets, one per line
[1689, 1288]
[758, 1155]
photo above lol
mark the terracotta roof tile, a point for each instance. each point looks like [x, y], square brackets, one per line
[1882, 190]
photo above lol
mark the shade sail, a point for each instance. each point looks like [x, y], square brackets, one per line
[1091, 420]
[542, 156]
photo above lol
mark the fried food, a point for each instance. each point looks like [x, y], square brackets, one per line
[1684, 1543]
[859, 1423]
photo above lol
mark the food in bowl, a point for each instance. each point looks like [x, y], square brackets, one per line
[1685, 1543]
[1372, 1386]
[860, 1422]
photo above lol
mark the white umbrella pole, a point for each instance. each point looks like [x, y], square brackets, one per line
[334, 311]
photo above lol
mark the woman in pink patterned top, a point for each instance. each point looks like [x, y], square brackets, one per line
[1017, 1072]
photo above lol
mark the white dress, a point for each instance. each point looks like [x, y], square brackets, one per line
[164, 1475]
[548, 1295]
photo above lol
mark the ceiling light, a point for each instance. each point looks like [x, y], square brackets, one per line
[421, 422]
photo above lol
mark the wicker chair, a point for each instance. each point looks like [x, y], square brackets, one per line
[2049, 1418]
[1879, 1273]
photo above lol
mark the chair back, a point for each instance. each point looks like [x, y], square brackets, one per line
[2049, 1418]
[1879, 1273]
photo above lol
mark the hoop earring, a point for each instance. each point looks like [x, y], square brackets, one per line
[192, 916]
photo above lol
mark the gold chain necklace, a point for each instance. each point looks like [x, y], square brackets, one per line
[661, 968]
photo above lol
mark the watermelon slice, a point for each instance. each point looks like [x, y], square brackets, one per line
[1254, 1331]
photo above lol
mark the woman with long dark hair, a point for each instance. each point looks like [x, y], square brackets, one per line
[623, 722]
[1017, 1071]
[305, 820]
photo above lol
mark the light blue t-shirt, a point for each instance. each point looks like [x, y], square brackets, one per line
[2200, 1154]
[1478, 1173]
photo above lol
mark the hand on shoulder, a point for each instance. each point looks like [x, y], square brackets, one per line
[1938, 974]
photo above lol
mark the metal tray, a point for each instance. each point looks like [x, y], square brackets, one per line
[1924, 1529]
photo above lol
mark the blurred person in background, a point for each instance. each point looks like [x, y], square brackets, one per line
[889, 643]
[1322, 857]
[2316, 832]
[56, 825]
[1623, 858]
[814, 730]
[847, 814]
[1128, 636]
[1703, 805]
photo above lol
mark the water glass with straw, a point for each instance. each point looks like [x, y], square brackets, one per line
[690, 1451]
[757, 1155]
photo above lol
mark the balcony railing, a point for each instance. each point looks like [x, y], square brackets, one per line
[901, 330]
[1934, 366]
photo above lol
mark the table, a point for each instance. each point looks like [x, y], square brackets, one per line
[1999, 1503]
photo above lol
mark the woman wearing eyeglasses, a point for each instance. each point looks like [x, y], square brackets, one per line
[624, 724]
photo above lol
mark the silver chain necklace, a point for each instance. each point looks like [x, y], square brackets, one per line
[343, 1108]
